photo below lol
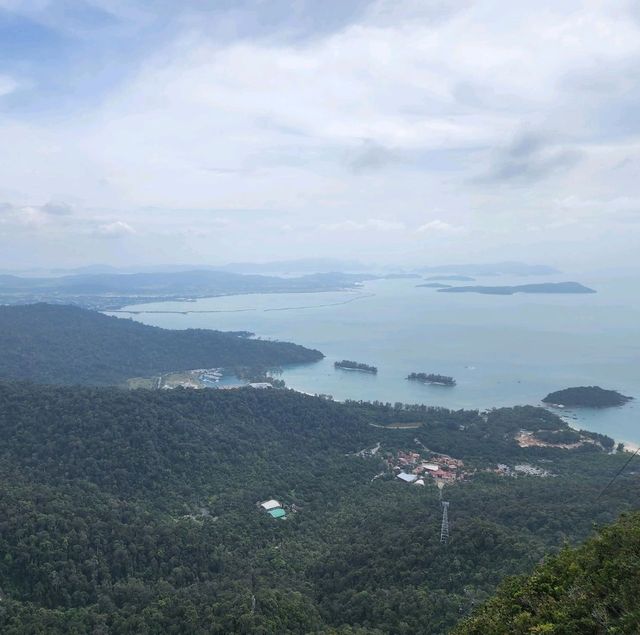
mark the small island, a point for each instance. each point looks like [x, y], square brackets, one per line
[346, 364]
[544, 287]
[432, 378]
[586, 397]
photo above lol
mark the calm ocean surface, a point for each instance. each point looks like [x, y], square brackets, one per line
[502, 350]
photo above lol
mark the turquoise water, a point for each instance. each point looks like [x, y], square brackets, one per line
[502, 350]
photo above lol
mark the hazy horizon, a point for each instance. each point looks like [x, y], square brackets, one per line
[415, 132]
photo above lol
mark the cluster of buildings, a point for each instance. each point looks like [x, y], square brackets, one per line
[531, 470]
[209, 375]
[523, 468]
[273, 508]
[204, 378]
[196, 378]
[411, 468]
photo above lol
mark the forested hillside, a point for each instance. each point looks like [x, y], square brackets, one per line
[589, 590]
[67, 345]
[135, 512]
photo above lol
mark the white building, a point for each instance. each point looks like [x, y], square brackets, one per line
[407, 478]
[270, 504]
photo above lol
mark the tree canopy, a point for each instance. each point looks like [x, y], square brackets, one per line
[136, 511]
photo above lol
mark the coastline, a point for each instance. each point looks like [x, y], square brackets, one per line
[426, 328]
[574, 424]
[130, 311]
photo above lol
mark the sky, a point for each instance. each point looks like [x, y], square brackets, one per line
[394, 131]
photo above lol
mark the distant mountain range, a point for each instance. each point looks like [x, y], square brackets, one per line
[302, 266]
[492, 269]
[298, 267]
[110, 291]
[105, 287]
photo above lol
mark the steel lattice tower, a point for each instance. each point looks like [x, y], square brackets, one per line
[444, 530]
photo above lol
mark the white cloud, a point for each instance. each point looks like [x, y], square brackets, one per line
[34, 217]
[438, 227]
[615, 204]
[7, 85]
[385, 225]
[371, 224]
[356, 130]
[116, 229]
[27, 216]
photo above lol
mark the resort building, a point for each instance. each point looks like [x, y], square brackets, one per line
[407, 478]
[270, 504]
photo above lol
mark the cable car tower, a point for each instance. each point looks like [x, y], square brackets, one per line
[444, 529]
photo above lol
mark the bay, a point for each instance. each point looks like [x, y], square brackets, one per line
[502, 350]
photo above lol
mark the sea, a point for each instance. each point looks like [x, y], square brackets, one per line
[502, 350]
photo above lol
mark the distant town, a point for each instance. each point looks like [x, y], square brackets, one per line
[199, 378]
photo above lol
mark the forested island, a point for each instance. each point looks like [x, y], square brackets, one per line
[58, 344]
[545, 287]
[135, 511]
[432, 378]
[586, 397]
[346, 364]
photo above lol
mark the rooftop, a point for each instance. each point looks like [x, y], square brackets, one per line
[270, 504]
[407, 478]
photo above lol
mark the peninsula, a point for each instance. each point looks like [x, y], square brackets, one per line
[586, 397]
[434, 285]
[544, 287]
[454, 277]
[346, 364]
[432, 378]
[56, 344]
